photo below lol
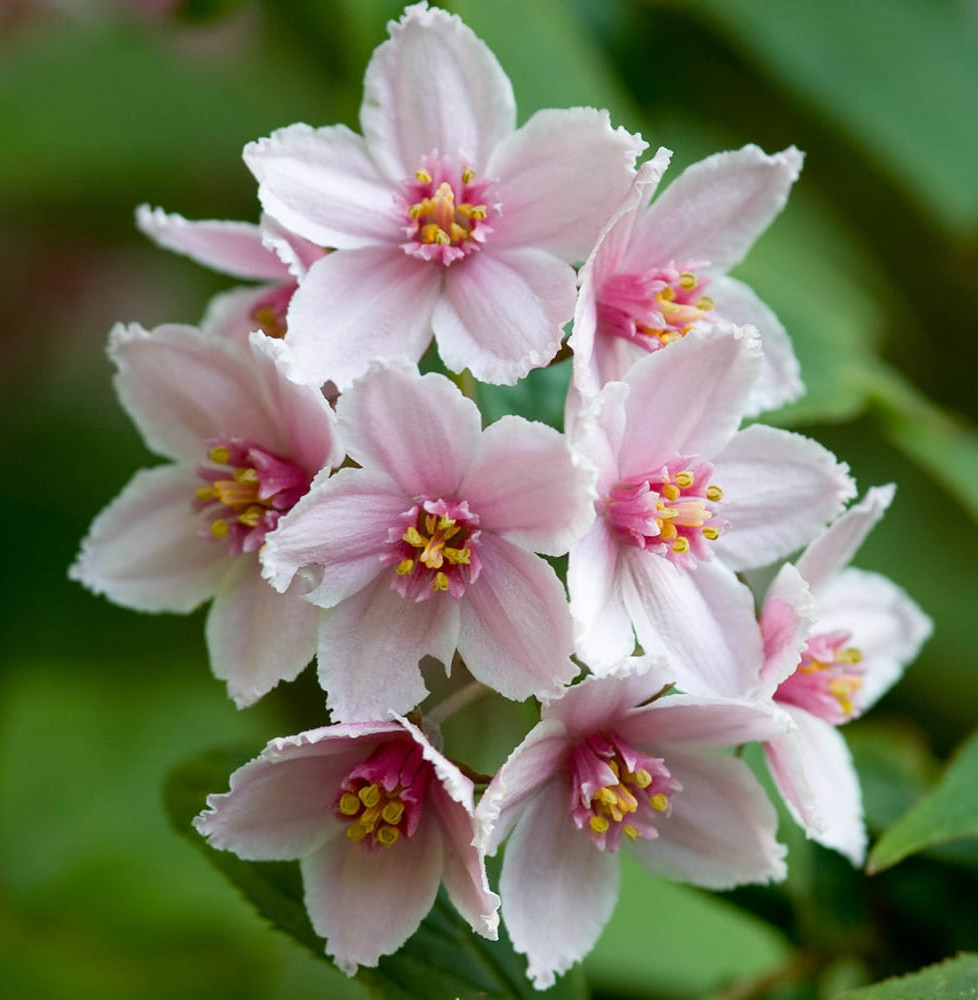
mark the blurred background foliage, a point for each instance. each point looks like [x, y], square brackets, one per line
[873, 269]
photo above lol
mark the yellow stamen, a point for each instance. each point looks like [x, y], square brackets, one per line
[659, 802]
[369, 795]
[219, 528]
[220, 455]
[405, 567]
[642, 778]
[705, 303]
[205, 493]
[632, 832]
[671, 491]
[599, 824]
[414, 537]
[684, 479]
[393, 811]
[387, 836]
[687, 281]
[458, 556]
[356, 833]
[680, 546]
[246, 475]
[714, 493]
[848, 655]
[349, 804]
[423, 175]
[711, 533]
[468, 175]
[251, 516]
[440, 582]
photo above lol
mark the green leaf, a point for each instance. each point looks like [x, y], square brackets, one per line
[955, 979]
[948, 813]
[443, 958]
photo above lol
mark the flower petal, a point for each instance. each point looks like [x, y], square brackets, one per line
[787, 619]
[418, 429]
[358, 305]
[503, 313]
[144, 552]
[257, 637]
[233, 248]
[433, 86]
[527, 486]
[515, 633]
[548, 185]
[371, 645]
[368, 903]
[717, 208]
[558, 889]
[322, 184]
[779, 490]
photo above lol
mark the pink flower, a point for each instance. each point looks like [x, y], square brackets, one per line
[245, 443]
[444, 216]
[660, 270]
[613, 765]
[256, 253]
[679, 484]
[377, 819]
[835, 640]
[428, 547]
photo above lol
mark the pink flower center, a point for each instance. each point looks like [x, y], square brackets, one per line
[248, 490]
[617, 791]
[269, 312]
[382, 799]
[445, 211]
[433, 547]
[670, 512]
[654, 308]
[828, 679]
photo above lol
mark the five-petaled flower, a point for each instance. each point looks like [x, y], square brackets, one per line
[443, 215]
[378, 819]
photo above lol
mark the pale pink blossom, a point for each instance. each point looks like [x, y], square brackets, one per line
[613, 764]
[428, 546]
[245, 443]
[445, 217]
[660, 269]
[377, 819]
[835, 640]
[686, 500]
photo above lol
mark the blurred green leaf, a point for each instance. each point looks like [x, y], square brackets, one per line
[955, 979]
[949, 812]
[906, 97]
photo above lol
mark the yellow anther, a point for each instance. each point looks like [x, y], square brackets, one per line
[667, 531]
[349, 804]
[423, 175]
[369, 795]
[712, 533]
[599, 824]
[687, 281]
[246, 475]
[684, 479]
[251, 516]
[440, 582]
[219, 528]
[667, 294]
[671, 492]
[659, 802]
[458, 556]
[642, 778]
[433, 233]
[705, 303]
[405, 567]
[356, 832]
[387, 836]
[205, 493]
[848, 655]
[393, 811]
[414, 537]
[680, 546]
[632, 832]
[714, 493]
[415, 211]
[219, 455]
[613, 764]
[468, 175]
[605, 796]
[458, 233]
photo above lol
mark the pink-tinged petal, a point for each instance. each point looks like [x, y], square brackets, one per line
[371, 645]
[787, 619]
[701, 722]
[233, 248]
[368, 903]
[548, 180]
[701, 619]
[689, 399]
[529, 767]
[231, 314]
[785, 756]
[358, 305]
[341, 525]
[597, 431]
[418, 429]
[602, 629]
[257, 637]
[836, 816]
[143, 551]
[297, 254]
[280, 805]
[434, 86]
[503, 313]
[886, 626]
[721, 831]
[515, 633]
[779, 490]
[717, 208]
[558, 889]
[528, 487]
[836, 546]
[323, 185]
[779, 381]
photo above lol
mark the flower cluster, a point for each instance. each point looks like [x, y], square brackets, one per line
[337, 503]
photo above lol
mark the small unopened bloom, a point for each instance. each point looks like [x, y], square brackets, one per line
[614, 764]
[245, 444]
[377, 818]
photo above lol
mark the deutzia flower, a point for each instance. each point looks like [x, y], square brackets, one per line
[610, 765]
[678, 484]
[245, 443]
[835, 640]
[443, 216]
[428, 547]
[660, 269]
[377, 818]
